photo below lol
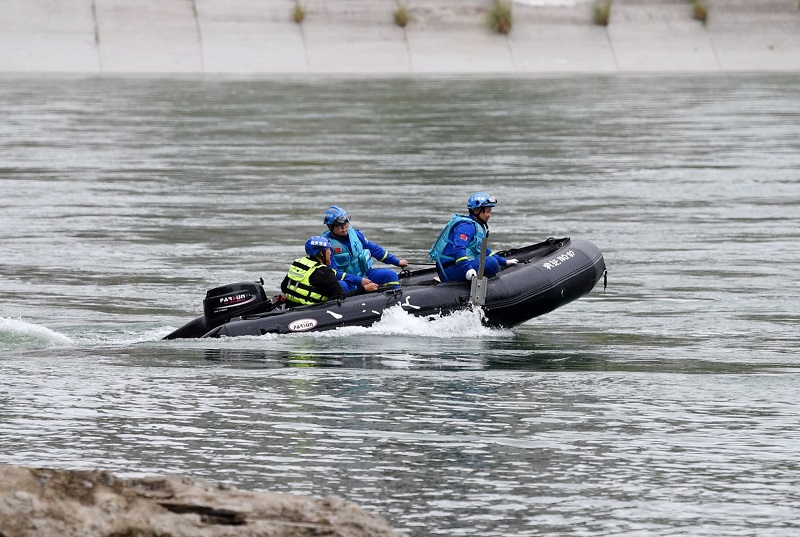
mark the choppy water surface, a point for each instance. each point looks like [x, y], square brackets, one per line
[666, 405]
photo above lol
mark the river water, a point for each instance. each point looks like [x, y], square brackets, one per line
[666, 405]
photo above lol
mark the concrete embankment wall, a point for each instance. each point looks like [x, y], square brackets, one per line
[360, 37]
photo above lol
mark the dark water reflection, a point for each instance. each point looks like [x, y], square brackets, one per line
[665, 405]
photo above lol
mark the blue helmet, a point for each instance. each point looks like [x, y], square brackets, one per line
[481, 199]
[335, 215]
[317, 244]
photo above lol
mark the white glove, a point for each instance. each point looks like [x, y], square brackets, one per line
[471, 273]
[511, 262]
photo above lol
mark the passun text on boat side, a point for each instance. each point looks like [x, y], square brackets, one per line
[301, 325]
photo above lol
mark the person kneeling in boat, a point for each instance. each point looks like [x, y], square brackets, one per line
[353, 254]
[311, 280]
[457, 250]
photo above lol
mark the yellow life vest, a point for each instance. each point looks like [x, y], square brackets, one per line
[299, 288]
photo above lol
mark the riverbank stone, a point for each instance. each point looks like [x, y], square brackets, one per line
[82, 503]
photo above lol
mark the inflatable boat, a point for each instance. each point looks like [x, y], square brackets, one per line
[549, 275]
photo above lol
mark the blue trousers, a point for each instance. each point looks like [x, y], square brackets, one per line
[382, 276]
[455, 273]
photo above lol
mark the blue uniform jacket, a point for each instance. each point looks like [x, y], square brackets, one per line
[377, 251]
[461, 235]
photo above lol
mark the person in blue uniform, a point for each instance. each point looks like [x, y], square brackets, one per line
[457, 250]
[353, 254]
[311, 280]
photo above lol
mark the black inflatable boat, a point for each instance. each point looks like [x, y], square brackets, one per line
[549, 275]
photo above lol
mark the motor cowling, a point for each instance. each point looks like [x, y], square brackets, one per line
[234, 300]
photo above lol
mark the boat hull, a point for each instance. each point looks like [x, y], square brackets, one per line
[550, 274]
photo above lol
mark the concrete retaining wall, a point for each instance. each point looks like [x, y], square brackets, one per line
[360, 37]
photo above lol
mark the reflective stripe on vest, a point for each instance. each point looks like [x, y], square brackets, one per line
[473, 248]
[299, 288]
[358, 261]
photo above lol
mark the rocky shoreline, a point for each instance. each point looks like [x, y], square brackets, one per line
[36, 502]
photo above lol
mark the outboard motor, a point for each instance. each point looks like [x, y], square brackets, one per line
[224, 303]
[234, 300]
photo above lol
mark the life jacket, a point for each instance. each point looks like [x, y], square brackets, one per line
[356, 261]
[299, 288]
[443, 240]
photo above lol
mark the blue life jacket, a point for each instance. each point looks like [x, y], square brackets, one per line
[358, 261]
[443, 240]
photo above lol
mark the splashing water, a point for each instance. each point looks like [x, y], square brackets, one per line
[19, 334]
[397, 322]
